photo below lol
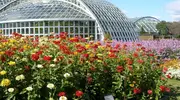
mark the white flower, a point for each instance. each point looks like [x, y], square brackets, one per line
[20, 77]
[24, 59]
[29, 88]
[39, 66]
[62, 98]
[55, 60]
[50, 86]
[51, 99]
[11, 90]
[66, 75]
[52, 65]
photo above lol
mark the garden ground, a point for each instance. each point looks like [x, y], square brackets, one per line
[176, 85]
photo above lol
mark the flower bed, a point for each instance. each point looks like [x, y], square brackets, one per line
[173, 66]
[166, 48]
[71, 68]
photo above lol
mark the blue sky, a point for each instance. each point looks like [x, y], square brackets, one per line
[162, 9]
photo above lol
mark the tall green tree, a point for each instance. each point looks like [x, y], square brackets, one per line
[162, 28]
[142, 32]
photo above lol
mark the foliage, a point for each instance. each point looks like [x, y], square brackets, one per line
[142, 32]
[162, 28]
[72, 68]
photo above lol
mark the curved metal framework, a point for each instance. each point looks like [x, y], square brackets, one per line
[77, 17]
[148, 23]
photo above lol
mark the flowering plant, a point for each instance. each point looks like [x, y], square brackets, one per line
[58, 67]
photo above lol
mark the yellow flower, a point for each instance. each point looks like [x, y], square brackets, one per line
[87, 46]
[1, 53]
[99, 61]
[91, 55]
[11, 63]
[75, 53]
[3, 72]
[5, 82]
[131, 85]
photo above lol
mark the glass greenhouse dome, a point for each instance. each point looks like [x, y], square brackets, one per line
[77, 17]
[148, 23]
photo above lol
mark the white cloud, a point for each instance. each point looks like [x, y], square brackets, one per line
[173, 9]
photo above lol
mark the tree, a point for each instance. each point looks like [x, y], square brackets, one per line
[142, 32]
[162, 28]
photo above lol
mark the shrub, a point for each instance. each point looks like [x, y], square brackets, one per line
[72, 68]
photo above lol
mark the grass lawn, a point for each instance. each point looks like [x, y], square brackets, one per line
[176, 85]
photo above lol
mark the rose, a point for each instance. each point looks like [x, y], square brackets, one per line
[79, 93]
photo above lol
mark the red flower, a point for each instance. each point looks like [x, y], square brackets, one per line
[151, 55]
[93, 68]
[9, 53]
[149, 92]
[130, 68]
[162, 88]
[35, 57]
[63, 35]
[129, 61]
[89, 79]
[85, 55]
[47, 58]
[168, 90]
[112, 55]
[135, 55]
[140, 61]
[168, 76]
[119, 69]
[79, 93]
[27, 68]
[137, 90]
[61, 94]
[165, 70]
[39, 52]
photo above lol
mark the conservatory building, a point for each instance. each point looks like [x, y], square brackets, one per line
[148, 23]
[76, 17]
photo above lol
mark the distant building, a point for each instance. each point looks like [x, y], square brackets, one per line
[148, 24]
[77, 17]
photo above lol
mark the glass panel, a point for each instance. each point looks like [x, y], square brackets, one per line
[50, 23]
[41, 30]
[46, 30]
[41, 23]
[61, 23]
[66, 23]
[56, 30]
[56, 23]
[36, 30]
[51, 30]
[31, 31]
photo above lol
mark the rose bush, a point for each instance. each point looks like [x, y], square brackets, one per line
[58, 67]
